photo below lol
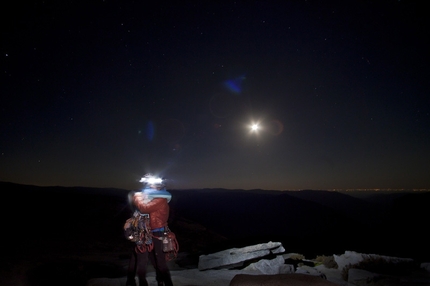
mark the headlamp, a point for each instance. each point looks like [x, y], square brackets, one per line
[151, 180]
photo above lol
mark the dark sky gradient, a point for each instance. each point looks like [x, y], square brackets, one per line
[99, 94]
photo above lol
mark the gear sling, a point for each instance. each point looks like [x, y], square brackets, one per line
[138, 230]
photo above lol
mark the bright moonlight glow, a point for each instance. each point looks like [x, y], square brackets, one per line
[255, 127]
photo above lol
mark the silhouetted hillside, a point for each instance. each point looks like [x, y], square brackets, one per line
[84, 220]
[60, 219]
[368, 213]
[240, 215]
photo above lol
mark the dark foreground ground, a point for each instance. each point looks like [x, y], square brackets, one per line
[70, 235]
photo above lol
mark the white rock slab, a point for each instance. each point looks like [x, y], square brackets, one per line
[235, 256]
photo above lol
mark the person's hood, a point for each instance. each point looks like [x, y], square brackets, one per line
[152, 193]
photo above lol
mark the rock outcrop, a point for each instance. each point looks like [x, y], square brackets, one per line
[235, 257]
[345, 269]
[354, 258]
[269, 264]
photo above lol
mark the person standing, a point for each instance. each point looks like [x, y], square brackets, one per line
[152, 204]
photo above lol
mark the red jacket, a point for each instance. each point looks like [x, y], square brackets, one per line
[157, 208]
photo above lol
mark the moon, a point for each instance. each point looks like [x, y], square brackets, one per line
[255, 127]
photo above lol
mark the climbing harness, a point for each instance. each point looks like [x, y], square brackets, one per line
[138, 230]
[170, 244]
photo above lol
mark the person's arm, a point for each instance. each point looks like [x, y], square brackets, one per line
[144, 206]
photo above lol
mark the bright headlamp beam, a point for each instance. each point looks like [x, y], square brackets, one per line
[151, 180]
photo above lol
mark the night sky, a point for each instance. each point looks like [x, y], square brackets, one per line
[97, 94]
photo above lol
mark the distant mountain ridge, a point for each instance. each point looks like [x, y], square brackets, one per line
[306, 221]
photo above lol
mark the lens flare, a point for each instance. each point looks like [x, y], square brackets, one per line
[235, 85]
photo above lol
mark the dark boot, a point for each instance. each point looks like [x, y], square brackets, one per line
[167, 280]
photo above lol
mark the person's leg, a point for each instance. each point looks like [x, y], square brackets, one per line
[142, 263]
[160, 262]
[131, 271]
[157, 272]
